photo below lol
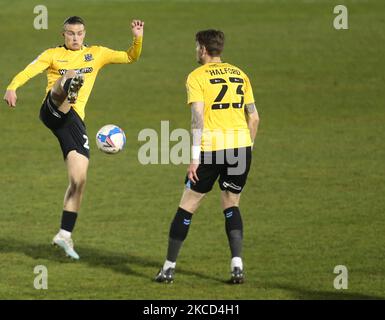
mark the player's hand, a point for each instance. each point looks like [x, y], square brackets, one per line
[192, 171]
[137, 27]
[10, 97]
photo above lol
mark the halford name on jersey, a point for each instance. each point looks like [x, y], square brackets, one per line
[222, 71]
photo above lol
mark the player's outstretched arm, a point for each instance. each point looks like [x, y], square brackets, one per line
[137, 28]
[37, 66]
[10, 98]
[133, 53]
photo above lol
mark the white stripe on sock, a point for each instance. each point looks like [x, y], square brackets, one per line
[168, 264]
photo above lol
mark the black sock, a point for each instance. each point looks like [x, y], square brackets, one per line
[68, 220]
[234, 230]
[178, 233]
[66, 85]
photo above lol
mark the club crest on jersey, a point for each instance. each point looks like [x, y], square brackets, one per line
[88, 57]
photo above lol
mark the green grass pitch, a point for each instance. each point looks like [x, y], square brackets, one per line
[315, 194]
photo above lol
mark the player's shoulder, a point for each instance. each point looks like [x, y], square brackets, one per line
[95, 47]
[50, 50]
[197, 72]
[85, 47]
[55, 49]
[93, 50]
[46, 53]
[99, 50]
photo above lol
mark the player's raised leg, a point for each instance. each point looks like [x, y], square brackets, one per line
[234, 231]
[65, 90]
[77, 166]
[178, 232]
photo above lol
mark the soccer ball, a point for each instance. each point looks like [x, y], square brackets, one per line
[110, 139]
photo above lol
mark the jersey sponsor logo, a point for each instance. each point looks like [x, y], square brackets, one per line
[61, 60]
[81, 70]
[88, 57]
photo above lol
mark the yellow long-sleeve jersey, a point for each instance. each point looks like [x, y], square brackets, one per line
[224, 89]
[88, 61]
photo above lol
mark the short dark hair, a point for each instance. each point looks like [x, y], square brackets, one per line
[212, 40]
[74, 20]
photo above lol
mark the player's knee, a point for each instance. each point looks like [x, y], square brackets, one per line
[191, 200]
[229, 199]
[191, 204]
[78, 183]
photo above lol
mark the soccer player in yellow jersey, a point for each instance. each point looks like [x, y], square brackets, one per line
[224, 125]
[71, 73]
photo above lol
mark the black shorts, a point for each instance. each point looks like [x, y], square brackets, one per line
[231, 166]
[69, 128]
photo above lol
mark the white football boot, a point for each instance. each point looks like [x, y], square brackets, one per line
[237, 276]
[67, 244]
